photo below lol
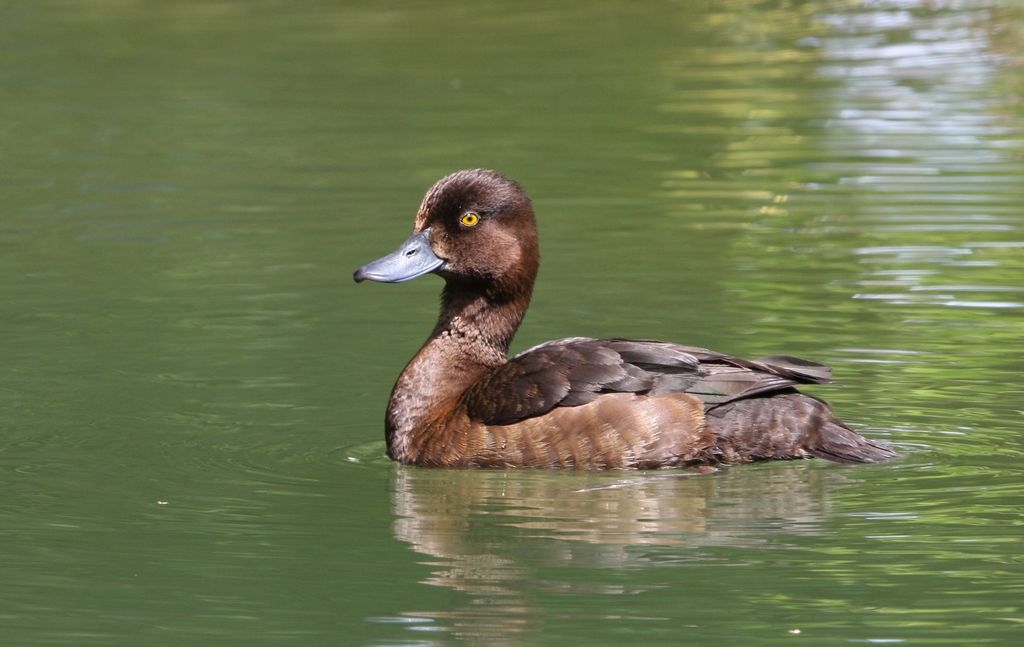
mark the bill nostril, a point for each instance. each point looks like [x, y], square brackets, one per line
[410, 252]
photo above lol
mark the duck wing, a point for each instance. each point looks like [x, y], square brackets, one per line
[574, 371]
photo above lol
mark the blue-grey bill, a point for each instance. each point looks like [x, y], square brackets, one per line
[414, 258]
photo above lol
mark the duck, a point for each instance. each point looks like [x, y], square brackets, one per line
[579, 402]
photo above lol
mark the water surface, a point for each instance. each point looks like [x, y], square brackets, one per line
[192, 391]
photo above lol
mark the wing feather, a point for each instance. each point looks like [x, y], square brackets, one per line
[575, 371]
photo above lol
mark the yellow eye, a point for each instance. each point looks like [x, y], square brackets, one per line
[470, 219]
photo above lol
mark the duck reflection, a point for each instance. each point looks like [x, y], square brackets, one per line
[488, 534]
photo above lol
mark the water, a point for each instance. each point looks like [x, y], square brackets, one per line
[192, 390]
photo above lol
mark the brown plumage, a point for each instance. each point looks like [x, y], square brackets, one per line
[578, 402]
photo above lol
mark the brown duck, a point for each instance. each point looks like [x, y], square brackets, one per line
[577, 402]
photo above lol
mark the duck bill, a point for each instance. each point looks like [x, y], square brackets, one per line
[413, 258]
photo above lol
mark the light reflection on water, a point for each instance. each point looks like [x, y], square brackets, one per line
[514, 544]
[486, 534]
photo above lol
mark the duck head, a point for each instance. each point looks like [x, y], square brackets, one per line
[474, 228]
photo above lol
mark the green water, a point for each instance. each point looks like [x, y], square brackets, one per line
[192, 389]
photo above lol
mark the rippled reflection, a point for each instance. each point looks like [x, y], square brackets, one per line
[484, 533]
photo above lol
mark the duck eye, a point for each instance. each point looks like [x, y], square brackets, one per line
[469, 219]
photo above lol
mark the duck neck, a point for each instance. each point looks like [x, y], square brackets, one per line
[471, 338]
[479, 321]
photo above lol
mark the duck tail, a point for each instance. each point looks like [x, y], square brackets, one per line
[788, 424]
[836, 442]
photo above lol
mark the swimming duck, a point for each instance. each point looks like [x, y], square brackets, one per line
[576, 402]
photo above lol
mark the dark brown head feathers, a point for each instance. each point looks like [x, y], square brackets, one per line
[499, 248]
[485, 192]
